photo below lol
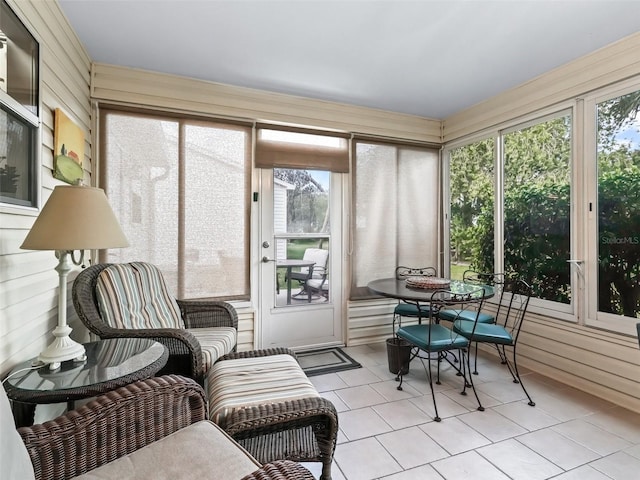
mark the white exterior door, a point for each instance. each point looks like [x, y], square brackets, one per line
[300, 297]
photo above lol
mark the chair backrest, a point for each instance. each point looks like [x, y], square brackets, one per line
[404, 272]
[14, 458]
[467, 306]
[320, 257]
[135, 295]
[514, 301]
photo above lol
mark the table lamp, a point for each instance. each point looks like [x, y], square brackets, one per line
[74, 218]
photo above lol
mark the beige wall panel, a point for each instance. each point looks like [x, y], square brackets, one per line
[610, 64]
[126, 85]
[29, 283]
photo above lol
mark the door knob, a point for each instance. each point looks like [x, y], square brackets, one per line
[267, 259]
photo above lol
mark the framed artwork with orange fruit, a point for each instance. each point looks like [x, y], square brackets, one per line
[68, 144]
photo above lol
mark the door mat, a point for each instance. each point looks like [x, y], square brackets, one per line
[327, 360]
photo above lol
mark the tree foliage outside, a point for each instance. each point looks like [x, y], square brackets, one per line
[537, 193]
[307, 203]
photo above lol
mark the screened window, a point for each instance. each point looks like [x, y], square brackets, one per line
[180, 188]
[471, 188]
[521, 194]
[396, 211]
[537, 193]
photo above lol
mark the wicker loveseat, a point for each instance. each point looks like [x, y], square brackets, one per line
[150, 429]
[132, 300]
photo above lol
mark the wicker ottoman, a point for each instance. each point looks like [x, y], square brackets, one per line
[263, 400]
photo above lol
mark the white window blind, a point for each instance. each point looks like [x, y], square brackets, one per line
[396, 211]
[180, 189]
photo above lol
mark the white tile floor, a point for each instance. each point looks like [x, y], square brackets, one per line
[390, 434]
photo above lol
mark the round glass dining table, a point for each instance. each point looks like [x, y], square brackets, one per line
[395, 288]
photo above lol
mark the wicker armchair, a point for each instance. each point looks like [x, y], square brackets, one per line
[125, 420]
[187, 353]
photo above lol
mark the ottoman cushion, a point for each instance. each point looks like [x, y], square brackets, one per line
[245, 382]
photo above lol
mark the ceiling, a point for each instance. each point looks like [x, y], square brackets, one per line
[429, 58]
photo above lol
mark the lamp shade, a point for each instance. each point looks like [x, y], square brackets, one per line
[75, 218]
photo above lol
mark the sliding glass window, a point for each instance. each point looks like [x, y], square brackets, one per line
[614, 256]
[510, 206]
[180, 188]
[537, 215]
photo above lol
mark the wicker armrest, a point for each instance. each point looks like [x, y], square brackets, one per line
[208, 313]
[258, 353]
[281, 470]
[271, 417]
[113, 425]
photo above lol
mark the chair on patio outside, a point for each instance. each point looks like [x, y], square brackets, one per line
[514, 301]
[132, 300]
[438, 342]
[318, 271]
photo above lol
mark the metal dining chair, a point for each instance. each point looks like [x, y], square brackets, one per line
[436, 341]
[495, 280]
[410, 309]
[514, 300]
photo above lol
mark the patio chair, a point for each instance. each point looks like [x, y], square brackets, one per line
[514, 301]
[318, 271]
[132, 300]
[437, 342]
[122, 435]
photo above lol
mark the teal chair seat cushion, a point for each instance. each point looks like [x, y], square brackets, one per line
[451, 315]
[490, 333]
[411, 310]
[441, 337]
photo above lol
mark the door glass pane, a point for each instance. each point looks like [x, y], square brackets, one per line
[301, 221]
[618, 157]
[472, 198]
[536, 207]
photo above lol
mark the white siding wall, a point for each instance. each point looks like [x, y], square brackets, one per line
[28, 282]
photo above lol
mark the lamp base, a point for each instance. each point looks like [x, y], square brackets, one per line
[63, 348]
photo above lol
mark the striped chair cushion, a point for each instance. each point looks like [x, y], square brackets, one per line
[134, 295]
[215, 342]
[246, 382]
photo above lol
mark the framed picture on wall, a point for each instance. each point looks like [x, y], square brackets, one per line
[69, 149]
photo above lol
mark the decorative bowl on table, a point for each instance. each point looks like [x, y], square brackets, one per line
[431, 283]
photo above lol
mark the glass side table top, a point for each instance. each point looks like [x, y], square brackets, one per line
[110, 364]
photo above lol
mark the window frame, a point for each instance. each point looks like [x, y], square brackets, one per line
[593, 317]
[31, 120]
[567, 312]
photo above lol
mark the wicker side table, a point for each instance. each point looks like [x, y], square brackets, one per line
[110, 364]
